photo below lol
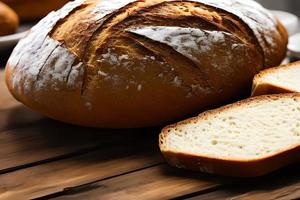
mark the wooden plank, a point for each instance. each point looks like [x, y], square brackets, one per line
[111, 160]
[160, 182]
[281, 193]
[17, 117]
[219, 194]
[46, 141]
[163, 183]
[284, 192]
[281, 185]
[51, 140]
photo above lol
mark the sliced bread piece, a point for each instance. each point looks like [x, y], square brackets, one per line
[282, 79]
[246, 139]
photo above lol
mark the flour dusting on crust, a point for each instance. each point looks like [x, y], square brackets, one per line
[29, 58]
[187, 41]
[259, 19]
[41, 62]
[31, 54]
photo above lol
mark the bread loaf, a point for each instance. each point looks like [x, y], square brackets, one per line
[128, 63]
[34, 9]
[282, 79]
[246, 139]
[9, 20]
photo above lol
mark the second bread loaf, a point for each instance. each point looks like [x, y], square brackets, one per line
[34, 9]
[9, 20]
[282, 79]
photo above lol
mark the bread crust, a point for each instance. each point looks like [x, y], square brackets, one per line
[9, 20]
[126, 78]
[261, 88]
[231, 167]
[29, 10]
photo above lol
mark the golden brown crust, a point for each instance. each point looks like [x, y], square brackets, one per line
[9, 20]
[29, 10]
[133, 80]
[230, 167]
[260, 88]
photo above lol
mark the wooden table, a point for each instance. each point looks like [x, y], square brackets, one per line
[42, 158]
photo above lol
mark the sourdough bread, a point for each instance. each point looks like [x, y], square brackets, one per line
[137, 63]
[249, 138]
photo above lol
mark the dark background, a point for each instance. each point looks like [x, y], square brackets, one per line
[286, 5]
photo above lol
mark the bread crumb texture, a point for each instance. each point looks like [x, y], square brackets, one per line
[38, 50]
[258, 128]
[286, 76]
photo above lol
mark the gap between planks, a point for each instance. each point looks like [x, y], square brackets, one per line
[163, 182]
[158, 182]
[281, 185]
[54, 177]
[50, 140]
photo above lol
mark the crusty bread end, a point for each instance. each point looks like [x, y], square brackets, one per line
[282, 79]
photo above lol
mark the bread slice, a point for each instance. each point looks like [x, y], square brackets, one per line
[246, 139]
[282, 79]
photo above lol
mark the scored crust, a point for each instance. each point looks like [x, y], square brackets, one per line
[230, 166]
[113, 74]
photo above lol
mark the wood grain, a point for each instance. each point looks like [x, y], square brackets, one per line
[110, 160]
[51, 140]
[18, 116]
[159, 182]
[282, 185]
[284, 193]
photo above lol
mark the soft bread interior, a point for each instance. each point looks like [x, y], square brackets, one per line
[285, 77]
[257, 128]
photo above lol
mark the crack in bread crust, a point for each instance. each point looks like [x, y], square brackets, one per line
[49, 56]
